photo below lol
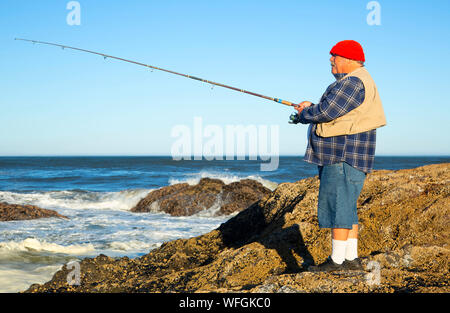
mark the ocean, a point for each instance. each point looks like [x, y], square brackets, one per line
[96, 193]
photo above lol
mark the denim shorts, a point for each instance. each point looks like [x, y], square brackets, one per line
[340, 186]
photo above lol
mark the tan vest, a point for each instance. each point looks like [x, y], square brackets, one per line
[367, 116]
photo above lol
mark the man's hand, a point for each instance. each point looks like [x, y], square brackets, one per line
[299, 107]
[295, 118]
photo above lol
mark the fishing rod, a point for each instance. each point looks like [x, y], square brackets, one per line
[105, 56]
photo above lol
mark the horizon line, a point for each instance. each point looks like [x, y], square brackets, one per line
[203, 157]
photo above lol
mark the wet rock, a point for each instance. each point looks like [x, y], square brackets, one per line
[184, 199]
[404, 242]
[13, 212]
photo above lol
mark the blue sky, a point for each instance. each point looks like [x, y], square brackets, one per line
[56, 102]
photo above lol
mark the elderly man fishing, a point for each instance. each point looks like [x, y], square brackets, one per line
[341, 141]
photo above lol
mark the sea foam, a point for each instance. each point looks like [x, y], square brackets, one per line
[77, 199]
[35, 245]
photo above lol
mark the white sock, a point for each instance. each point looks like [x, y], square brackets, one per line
[338, 249]
[351, 252]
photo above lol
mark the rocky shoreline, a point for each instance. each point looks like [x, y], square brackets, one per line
[184, 199]
[14, 212]
[404, 240]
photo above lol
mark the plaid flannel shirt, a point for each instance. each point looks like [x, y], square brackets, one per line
[357, 150]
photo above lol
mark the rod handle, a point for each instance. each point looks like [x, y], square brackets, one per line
[284, 102]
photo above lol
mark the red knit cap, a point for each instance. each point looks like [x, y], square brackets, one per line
[349, 49]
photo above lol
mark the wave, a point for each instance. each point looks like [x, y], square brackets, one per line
[30, 261]
[124, 200]
[16, 279]
[132, 245]
[193, 179]
[41, 246]
[77, 199]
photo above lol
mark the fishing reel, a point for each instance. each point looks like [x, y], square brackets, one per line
[294, 118]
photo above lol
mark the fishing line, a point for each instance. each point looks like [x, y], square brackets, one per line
[105, 56]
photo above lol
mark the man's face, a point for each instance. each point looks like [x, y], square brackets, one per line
[338, 64]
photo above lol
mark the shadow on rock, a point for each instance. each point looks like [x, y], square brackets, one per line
[257, 224]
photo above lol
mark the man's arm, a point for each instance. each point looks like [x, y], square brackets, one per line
[344, 97]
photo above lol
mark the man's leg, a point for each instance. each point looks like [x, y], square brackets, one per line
[340, 233]
[344, 233]
[353, 233]
[344, 244]
[352, 244]
[340, 186]
[339, 244]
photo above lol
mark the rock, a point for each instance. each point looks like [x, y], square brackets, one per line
[185, 200]
[404, 243]
[12, 212]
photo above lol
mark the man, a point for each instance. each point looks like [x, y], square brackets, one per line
[341, 141]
